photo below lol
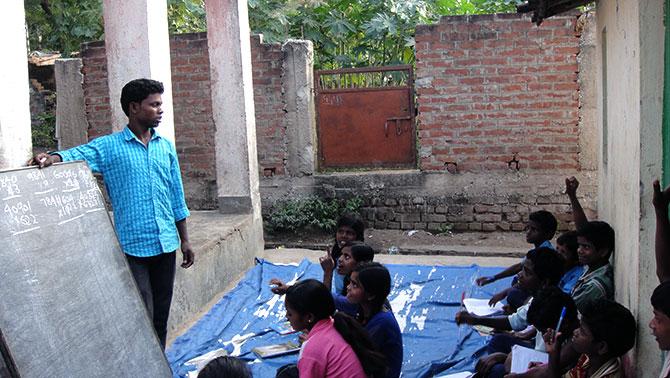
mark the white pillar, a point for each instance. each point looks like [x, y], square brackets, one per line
[233, 105]
[138, 46]
[15, 140]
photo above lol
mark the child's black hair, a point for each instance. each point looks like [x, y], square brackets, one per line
[612, 323]
[546, 308]
[375, 280]
[547, 264]
[660, 298]
[348, 220]
[600, 233]
[225, 366]
[546, 221]
[137, 90]
[361, 253]
[568, 239]
[312, 296]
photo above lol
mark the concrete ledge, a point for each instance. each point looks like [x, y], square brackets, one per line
[235, 205]
[225, 246]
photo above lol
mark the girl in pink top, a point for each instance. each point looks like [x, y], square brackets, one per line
[337, 346]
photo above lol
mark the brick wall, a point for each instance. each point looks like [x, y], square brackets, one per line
[495, 89]
[194, 127]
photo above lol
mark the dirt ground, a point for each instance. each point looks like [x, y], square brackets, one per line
[416, 242]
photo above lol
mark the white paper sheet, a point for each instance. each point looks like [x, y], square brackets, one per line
[522, 356]
[481, 307]
[463, 374]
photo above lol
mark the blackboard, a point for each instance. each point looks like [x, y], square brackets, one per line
[69, 306]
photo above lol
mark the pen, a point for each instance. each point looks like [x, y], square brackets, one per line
[560, 320]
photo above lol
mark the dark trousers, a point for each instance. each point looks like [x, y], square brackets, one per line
[155, 279]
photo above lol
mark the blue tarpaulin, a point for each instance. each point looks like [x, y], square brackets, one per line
[424, 300]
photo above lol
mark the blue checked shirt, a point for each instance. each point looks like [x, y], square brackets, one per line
[144, 185]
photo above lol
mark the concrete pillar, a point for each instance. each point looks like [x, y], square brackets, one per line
[298, 85]
[233, 106]
[137, 46]
[71, 124]
[15, 139]
[588, 93]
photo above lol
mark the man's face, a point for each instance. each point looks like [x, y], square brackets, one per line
[148, 112]
[660, 328]
[534, 233]
[587, 252]
[528, 280]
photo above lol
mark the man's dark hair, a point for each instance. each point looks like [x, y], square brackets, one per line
[660, 299]
[547, 264]
[546, 307]
[600, 233]
[137, 90]
[612, 323]
[546, 221]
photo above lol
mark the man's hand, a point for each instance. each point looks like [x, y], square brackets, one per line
[278, 287]
[485, 364]
[481, 281]
[188, 257]
[44, 160]
[327, 262]
[497, 298]
[661, 199]
[571, 185]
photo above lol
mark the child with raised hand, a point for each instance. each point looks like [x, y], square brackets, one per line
[369, 287]
[540, 229]
[544, 313]
[543, 267]
[336, 344]
[566, 246]
[349, 228]
[606, 332]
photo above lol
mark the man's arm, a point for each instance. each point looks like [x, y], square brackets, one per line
[578, 215]
[662, 245]
[497, 322]
[44, 160]
[187, 253]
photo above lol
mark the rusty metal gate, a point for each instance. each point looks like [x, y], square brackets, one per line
[365, 118]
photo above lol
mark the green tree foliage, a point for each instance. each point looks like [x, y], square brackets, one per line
[346, 33]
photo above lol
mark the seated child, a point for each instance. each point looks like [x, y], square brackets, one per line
[336, 344]
[595, 240]
[606, 332]
[543, 267]
[543, 313]
[540, 229]
[660, 299]
[225, 366]
[353, 253]
[596, 244]
[349, 228]
[566, 245]
[369, 286]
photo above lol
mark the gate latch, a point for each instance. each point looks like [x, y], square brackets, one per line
[398, 125]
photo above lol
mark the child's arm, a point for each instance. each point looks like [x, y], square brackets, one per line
[578, 215]
[497, 322]
[499, 296]
[278, 287]
[512, 270]
[328, 265]
[660, 201]
[552, 343]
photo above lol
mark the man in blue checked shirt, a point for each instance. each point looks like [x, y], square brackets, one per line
[142, 176]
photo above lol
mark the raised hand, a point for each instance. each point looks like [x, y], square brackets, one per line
[571, 185]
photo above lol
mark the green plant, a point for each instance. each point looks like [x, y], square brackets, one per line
[445, 229]
[44, 130]
[300, 214]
